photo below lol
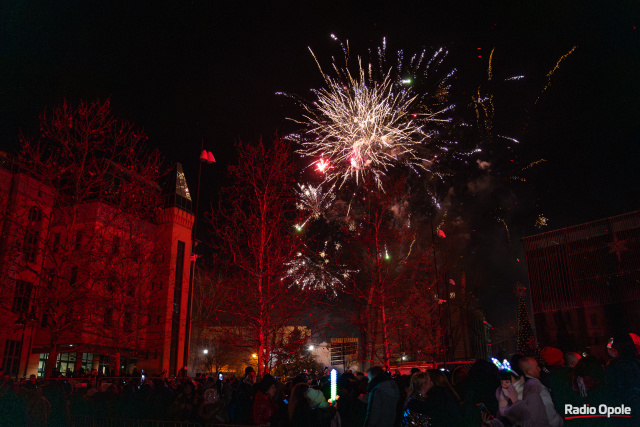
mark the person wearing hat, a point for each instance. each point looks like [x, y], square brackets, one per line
[264, 405]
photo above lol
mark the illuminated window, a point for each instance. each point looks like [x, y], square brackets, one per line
[42, 363]
[452, 295]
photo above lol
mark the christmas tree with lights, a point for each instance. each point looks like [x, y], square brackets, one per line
[527, 343]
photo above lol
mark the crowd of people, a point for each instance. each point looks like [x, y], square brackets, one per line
[515, 392]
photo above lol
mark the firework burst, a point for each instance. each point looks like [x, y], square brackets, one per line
[317, 273]
[373, 119]
[313, 200]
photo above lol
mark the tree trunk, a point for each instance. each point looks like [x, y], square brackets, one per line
[385, 337]
[52, 360]
[116, 364]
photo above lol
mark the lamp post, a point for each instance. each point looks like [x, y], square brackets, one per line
[205, 157]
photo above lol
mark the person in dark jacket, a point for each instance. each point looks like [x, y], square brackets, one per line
[383, 398]
[241, 405]
[430, 404]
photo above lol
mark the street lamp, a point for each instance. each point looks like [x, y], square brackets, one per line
[205, 157]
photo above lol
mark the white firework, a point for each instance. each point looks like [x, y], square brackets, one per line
[314, 200]
[374, 121]
[318, 274]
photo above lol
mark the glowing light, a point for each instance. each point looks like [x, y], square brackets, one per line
[205, 351]
[504, 366]
[311, 347]
[334, 385]
[254, 355]
[322, 165]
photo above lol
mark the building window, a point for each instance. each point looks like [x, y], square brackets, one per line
[66, 362]
[30, 248]
[42, 364]
[108, 316]
[87, 361]
[49, 278]
[21, 297]
[104, 365]
[35, 215]
[136, 252]
[111, 282]
[55, 243]
[78, 240]
[11, 358]
[128, 321]
[115, 245]
[73, 277]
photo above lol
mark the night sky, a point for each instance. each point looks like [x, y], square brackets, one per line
[192, 71]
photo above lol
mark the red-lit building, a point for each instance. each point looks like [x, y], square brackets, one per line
[103, 287]
[585, 282]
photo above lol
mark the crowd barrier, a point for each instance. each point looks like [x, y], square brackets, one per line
[84, 421]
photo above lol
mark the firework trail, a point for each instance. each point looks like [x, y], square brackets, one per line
[313, 200]
[553, 71]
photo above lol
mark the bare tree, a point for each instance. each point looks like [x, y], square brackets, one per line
[79, 248]
[394, 289]
[254, 228]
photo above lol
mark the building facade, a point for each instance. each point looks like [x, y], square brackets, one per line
[585, 282]
[91, 284]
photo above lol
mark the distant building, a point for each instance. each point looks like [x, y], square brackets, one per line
[469, 329]
[504, 339]
[585, 282]
[138, 318]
